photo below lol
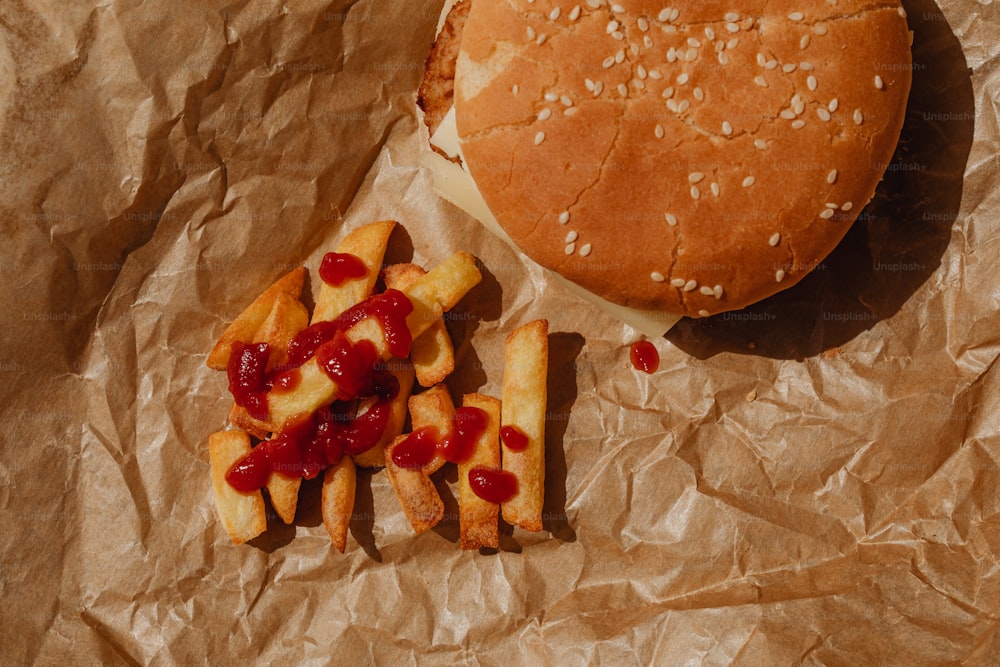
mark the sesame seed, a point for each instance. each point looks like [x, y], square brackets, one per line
[668, 92]
[640, 71]
[554, 14]
[544, 114]
[657, 277]
[798, 124]
[618, 34]
[761, 60]
[733, 43]
[671, 54]
[830, 204]
[564, 217]
[585, 250]
[589, 84]
[847, 206]
[760, 143]
[715, 189]
[515, 89]
[691, 55]
[539, 138]
[717, 291]
[804, 42]
[664, 15]
[655, 74]
[703, 313]
[608, 62]
[623, 90]
[806, 65]
[571, 111]
[706, 290]
[570, 248]
[832, 106]
[779, 275]
[593, 4]
[683, 106]
[677, 282]
[787, 114]
[695, 192]
[617, 9]
[826, 213]
[658, 131]
[574, 13]
[727, 128]
[732, 27]
[643, 24]
[671, 219]
[541, 39]
[674, 13]
[551, 97]
[760, 81]
[566, 101]
[696, 177]
[672, 105]
[858, 117]
[823, 114]
[598, 88]
[788, 67]
[878, 82]
[571, 236]
[699, 94]
[732, 17]
[709, 33]
[796, 16]
[531, 33]
[723, 58]
[748, 181]
[690, 285]
[771, 64]
[691, 41]
[902, 12]
[819, 29]
[620, 56]
[831, 178]
[811, 82]
[647, 41]
[774, 240]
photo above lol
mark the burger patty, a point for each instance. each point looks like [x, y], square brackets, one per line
[437, 91]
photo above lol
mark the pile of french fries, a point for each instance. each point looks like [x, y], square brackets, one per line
[275, 318]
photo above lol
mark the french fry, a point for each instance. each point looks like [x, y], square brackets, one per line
[284, 494]
[523, 395]
[477, 517]
[242, 514]
[432, 352]
[416, 492]
[246, 324]
[339, 486]
[287, 318]
[368, 244]
[375, 457]
[433, 408]
[432, 294]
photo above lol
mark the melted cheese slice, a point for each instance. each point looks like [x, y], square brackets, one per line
[455, 184]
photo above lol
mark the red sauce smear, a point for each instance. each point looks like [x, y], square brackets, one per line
[418, 449]
[309, 445]
[496, 486]
[468, 424]
[514, 438]
[248, 382]
[644, 356]
[338, 268]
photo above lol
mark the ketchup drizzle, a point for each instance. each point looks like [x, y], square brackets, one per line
[338, 268]
[644, 356]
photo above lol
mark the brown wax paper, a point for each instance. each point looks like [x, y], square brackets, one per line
[812, 480]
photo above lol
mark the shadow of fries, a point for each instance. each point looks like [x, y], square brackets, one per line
[564, 348]
[898, 240]
[363, 517]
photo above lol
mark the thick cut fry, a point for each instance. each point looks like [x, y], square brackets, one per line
[432, 353]
[367, 244]
[430, 295]
[526, 360]
[287, 318]
[242, 514]
[477, 517]
[416, 493]
[375, 457]
[433, 408]
[339, 485]
[246, 324]
[284, 494]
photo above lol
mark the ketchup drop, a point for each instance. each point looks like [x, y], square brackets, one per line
[248, 381]
[496, 486]
[338, 268]
[468, 424]
[514, 438]
[418, 449]
[644, 356]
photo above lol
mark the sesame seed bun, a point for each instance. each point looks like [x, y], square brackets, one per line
[693, 160]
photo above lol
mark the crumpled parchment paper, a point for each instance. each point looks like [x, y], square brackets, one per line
[812, 480]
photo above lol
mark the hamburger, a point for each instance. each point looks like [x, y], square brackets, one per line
[684, 160]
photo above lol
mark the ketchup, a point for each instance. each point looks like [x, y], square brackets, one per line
[495, 486]
[349, 365]
[514, 438]
[468, 424]
[418, 449]
[338, 268]
[644, 356]
[248, 381]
